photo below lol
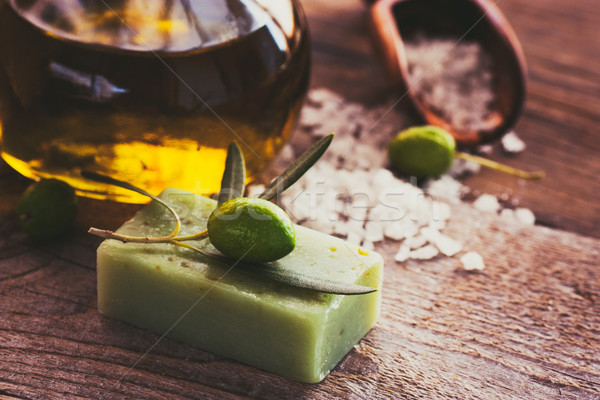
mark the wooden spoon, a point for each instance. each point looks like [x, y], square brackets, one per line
[470, 20]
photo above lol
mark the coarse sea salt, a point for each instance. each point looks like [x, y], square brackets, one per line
[472, 261]
[361, 201]
[525, 216]
[424, 253]
[488, 203]
[349, 192]
[512, 143]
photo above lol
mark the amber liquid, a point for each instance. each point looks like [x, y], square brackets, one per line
[155, 118]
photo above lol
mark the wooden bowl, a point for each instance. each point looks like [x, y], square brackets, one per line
[473, 20]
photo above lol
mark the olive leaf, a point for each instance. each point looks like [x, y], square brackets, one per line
[297, 168]
[93, 176]
[291, 278]
[234, 176]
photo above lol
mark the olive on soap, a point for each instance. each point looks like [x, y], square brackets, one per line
[251, 229]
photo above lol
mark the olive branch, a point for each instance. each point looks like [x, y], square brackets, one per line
[233, 186]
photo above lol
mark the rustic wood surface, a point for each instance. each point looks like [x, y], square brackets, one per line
[526, 327]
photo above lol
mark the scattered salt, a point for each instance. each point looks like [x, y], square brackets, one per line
[373, 231]
[446, 188]
[424, 253]
[445, 244]
[461, 168]
[255, 190]
[368, 245]
[351, 194]
[400, 230]
[512, 143]
[487, 203]
[507, 214]
[415, 242]
[525, 216]
[472, 261]
[402, 254]
[522, 215]
[354, 238]
[485, 149]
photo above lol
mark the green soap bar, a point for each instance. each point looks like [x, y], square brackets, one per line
[293, 332]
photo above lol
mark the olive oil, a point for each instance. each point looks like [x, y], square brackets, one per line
[151, 93]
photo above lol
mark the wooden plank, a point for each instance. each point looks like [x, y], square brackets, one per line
[525, 327]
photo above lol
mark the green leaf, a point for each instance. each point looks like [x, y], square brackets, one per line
[273, 272]
[297, 168]
[93, 176]
[234, 176]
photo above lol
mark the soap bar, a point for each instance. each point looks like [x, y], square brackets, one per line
[294, 332]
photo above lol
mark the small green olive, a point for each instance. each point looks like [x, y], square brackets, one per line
[422, 151]
[47, 209]
[251, 229]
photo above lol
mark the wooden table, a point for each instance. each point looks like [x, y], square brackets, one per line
[527, 327]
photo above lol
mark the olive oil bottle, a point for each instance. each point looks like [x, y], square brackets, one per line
[151, 92]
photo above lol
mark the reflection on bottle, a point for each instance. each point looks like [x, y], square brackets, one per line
[81, 85]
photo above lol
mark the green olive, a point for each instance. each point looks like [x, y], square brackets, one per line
[47, 209]
[422, 151]
[251, 229]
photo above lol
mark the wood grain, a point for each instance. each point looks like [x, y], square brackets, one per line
[526, 327]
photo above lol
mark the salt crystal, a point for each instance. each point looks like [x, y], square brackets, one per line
[429, 233]
[310, 116]
[382, 178]
[485, 149]
[437, 224]
[460, 168]
[355, 226]
[340, 228]
[525, 216]
[373, 231]
[355, 238]
[424, 253]
[359, 208]
[487, 202]
[394, 231]
[367, 245]
[384, 213]
[445, 244]
[398, 230]
[441, 211]
[472, 261]
[512, 143]
[415, 241]
[446, 188]
[324, 95]
[255, 190]
[507, 214]
[321, 225]
[448, 246]
[402, 254]
[287, 153]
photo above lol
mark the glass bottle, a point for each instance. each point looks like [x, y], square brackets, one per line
[148, 91]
